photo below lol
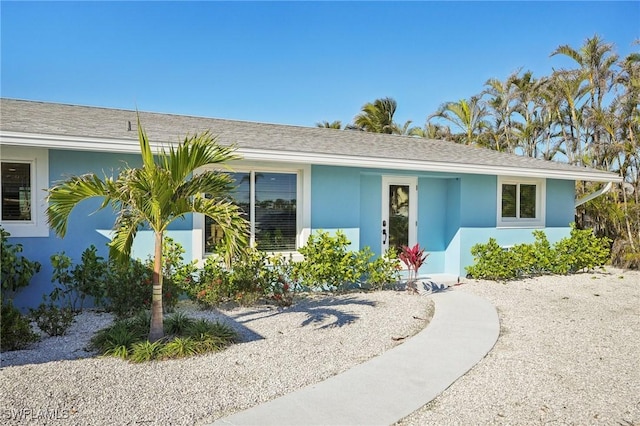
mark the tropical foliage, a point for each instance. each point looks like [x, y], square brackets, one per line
[587, 114]
[164, 189]
[581, 251]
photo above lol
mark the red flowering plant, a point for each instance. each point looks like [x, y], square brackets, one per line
[414, 257]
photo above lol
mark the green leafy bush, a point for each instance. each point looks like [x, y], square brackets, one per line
[492, 262]
[581, 251]
[76, 282]
[128, 288]
[52, 319]
[16, 270]
[15, 329]
[382, 270]
[328, 263]
[254, 274]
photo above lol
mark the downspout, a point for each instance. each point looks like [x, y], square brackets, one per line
[593, 195]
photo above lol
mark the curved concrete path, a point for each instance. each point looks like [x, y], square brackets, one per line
[391, 386]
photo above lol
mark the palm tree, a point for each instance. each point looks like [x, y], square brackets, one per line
[336, 124]
[377, 117]
[596, 58]
[469, 115]
[165, 188]
[431, 131]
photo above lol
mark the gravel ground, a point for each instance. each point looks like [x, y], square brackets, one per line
[284, 349]
[568, 354]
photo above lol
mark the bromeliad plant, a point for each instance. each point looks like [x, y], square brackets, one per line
[413, 257]
[164, 189]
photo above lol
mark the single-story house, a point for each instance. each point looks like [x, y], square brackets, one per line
[380, 190]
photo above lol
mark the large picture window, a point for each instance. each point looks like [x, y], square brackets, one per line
[268, 201]
[520, 202]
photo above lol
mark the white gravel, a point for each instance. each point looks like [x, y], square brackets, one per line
[286, 349]
[568, 354]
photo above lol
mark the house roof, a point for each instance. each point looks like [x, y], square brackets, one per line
[61, 126]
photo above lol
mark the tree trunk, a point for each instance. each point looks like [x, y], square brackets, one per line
[156, 331]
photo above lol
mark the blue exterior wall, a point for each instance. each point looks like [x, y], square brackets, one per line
[85, 222]
[455, 211]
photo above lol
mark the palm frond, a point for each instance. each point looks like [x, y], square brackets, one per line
[195, 152]
[65, 196]
[145, 147]
[226, 215]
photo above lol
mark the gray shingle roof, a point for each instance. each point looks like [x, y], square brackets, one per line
[42, 118]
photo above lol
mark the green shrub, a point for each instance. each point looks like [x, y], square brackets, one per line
[383, 270]
[16, 270]
[177, 323]
[127, 288]
[581, 251]
[145, 351]
[254, 274]
[52, 319]
[76, 282]
[15, 329]
[328, 263]
[492, 262]
[121, 334]
[180, 347]
[127, 338]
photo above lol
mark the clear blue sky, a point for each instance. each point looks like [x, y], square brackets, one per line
[289, 62]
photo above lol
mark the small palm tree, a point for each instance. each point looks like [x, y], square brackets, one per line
[164, 189]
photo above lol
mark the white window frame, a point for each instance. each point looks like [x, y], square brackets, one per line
[517, 222]
[303, 206]
[38, 158]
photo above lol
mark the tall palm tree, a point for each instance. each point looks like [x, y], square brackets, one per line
[377, 117]
[164, 189]
[596, 58]
[501, 103]
[468, 115]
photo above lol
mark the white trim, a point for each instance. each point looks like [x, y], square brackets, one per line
[412, 182]
[593, 195]
[541, 195]
[303, 203]
[39, 160]
[295, 157]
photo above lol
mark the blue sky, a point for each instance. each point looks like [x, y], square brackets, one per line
[289, 62]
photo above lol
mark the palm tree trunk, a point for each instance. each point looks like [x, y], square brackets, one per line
[157, 328]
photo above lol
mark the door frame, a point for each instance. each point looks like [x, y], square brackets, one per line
[412, 182]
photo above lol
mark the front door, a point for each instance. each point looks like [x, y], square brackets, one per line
[399, 212]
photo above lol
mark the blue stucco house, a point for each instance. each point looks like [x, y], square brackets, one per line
[381, 190]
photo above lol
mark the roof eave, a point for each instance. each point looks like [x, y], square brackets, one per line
[131, 146]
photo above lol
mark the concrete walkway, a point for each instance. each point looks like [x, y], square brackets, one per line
[391, 386]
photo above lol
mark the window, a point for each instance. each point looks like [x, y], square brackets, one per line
[269, 202]
[520, 202]
[16, 191]
[24, 177]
